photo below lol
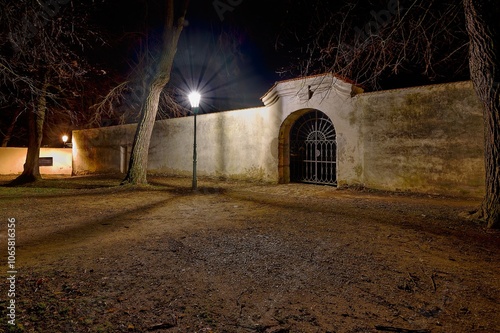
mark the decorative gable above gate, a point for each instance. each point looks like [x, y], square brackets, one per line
[304, 89]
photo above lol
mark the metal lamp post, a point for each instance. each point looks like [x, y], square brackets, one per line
[194, 100]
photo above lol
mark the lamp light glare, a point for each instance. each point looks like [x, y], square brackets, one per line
[194, 99]
[65, 138]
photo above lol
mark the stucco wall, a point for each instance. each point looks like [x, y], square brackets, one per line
[99, 150]
[426, 139]
[238, 144]
[12, 161]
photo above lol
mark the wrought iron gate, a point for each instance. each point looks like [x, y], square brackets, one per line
[313, 150]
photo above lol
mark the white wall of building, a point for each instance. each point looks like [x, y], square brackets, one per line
[12, 160]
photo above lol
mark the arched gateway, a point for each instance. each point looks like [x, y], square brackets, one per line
[309, 149]
[313, 150]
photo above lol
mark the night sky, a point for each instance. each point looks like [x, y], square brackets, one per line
[255, 46]
[227, 52]
[233, 51]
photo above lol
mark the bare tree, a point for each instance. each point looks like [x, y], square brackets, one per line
[484, 57]
[123, 102]
[174, 23]
[376, 44]
[209, 59]
[39, 63]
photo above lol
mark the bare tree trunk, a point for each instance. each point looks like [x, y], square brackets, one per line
[36, 119]
[10, 130]
[138, 164]
[484, 32]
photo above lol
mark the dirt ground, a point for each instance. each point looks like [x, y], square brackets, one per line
[92, 256]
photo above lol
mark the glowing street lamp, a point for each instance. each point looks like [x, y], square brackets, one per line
[194, 100]
[64, 139]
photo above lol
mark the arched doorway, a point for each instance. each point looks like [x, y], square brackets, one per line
[313, 149]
